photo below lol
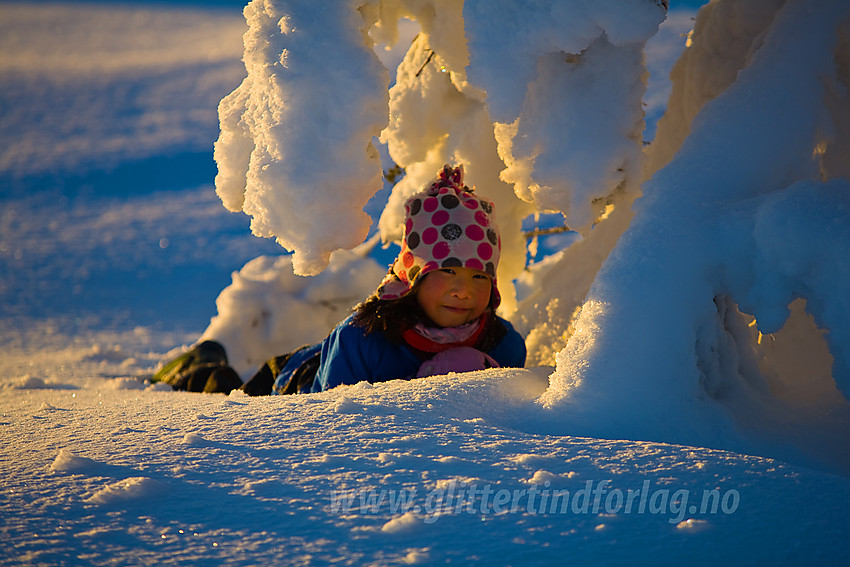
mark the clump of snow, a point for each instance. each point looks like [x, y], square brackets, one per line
[194, 439]
[295, 151]
[714, 46]
[127, 383]
[346, 405]
[416, 556]
[407, 522]
[28, 382]
[692, 526]
[802, 236]
[107, 353]
[662, 51]
[503, 46]
[269, 311]
[569, 121]
[543, 477]
[132, 488]
[576, 159]
[67, 461]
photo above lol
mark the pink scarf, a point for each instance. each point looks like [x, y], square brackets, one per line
[438, 339]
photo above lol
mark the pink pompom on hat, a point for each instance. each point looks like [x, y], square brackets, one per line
[446, 226]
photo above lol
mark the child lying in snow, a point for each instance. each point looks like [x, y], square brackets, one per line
[434, 312]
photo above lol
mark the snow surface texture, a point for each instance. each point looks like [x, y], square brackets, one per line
[112, 249]
[139, 477]
[108, 117]
[127, 108]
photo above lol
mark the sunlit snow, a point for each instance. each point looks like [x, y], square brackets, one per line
[686, 396]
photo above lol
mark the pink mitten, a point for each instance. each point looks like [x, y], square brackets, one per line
[458, 359]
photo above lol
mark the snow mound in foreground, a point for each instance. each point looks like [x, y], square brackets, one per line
[378, 473]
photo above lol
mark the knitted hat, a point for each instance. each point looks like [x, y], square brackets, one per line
[446, 226]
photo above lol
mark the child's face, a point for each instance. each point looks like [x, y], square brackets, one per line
[454, 296]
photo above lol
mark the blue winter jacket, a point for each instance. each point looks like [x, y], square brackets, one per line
[349, 356]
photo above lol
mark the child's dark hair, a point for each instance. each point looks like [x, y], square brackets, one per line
[389, 316]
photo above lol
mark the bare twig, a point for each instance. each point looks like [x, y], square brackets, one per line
[544, 231]
[422, 68]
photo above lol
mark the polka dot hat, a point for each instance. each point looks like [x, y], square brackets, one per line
[446, 226]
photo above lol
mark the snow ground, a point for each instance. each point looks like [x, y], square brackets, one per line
[136, 476]
[113, 247]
